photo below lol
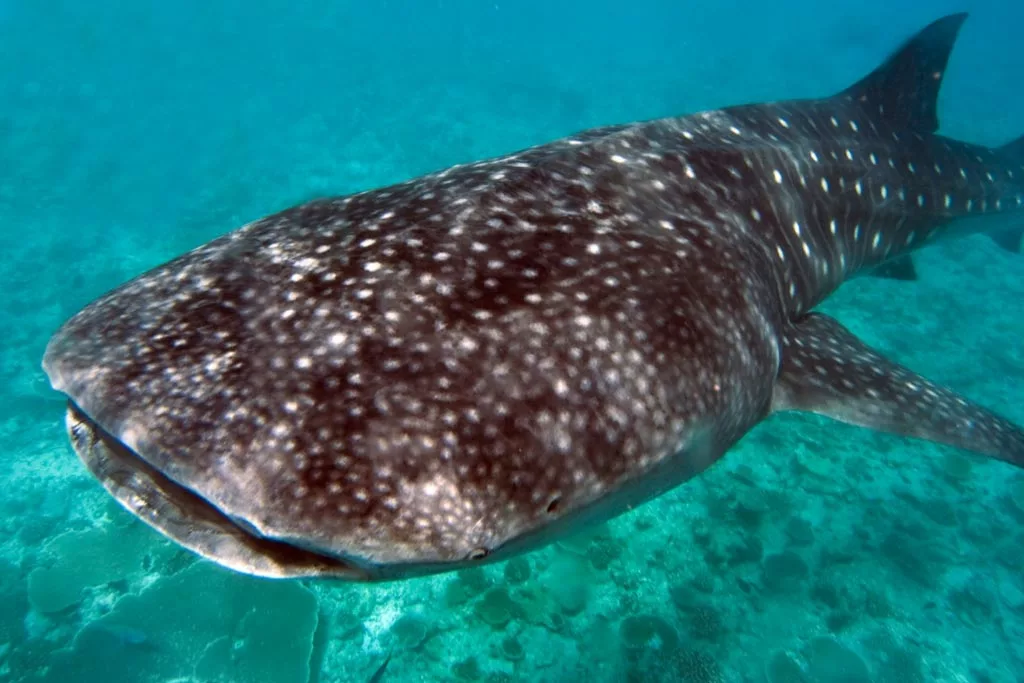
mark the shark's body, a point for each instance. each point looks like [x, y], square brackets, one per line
[470, 363]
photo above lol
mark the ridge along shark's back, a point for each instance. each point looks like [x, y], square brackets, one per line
[469, 364]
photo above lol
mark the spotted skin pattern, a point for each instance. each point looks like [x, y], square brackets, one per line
[471, 363]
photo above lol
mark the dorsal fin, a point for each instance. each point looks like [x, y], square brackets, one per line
[905, 89]
[1014, 149]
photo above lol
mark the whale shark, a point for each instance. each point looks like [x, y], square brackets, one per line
[473, 363]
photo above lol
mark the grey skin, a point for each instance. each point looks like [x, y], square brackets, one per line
[470, 364]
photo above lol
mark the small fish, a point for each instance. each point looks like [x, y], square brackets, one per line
[378, 675]
[128, 636]
[470, 364]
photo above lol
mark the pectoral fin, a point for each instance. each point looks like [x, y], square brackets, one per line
[827, 370]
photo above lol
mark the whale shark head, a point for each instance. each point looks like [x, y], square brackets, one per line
[337, 391]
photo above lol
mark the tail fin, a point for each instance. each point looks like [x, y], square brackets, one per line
[904, 90]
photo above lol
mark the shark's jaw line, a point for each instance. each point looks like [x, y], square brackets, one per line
[189, 519]
[195, 523]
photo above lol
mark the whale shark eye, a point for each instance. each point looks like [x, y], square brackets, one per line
[554, 505]
[478, 553]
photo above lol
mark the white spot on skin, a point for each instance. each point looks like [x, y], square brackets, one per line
[778, 176]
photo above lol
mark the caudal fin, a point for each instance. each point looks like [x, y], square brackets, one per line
[904, 90]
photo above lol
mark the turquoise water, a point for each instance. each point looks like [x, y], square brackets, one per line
[812, 552]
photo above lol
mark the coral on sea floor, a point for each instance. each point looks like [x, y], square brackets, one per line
[203, 623]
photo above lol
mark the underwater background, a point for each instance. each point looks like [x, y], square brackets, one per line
[131, 132]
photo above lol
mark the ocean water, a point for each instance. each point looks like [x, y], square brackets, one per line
[131, 132]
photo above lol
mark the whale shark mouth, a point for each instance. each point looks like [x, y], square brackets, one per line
[188, 518]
